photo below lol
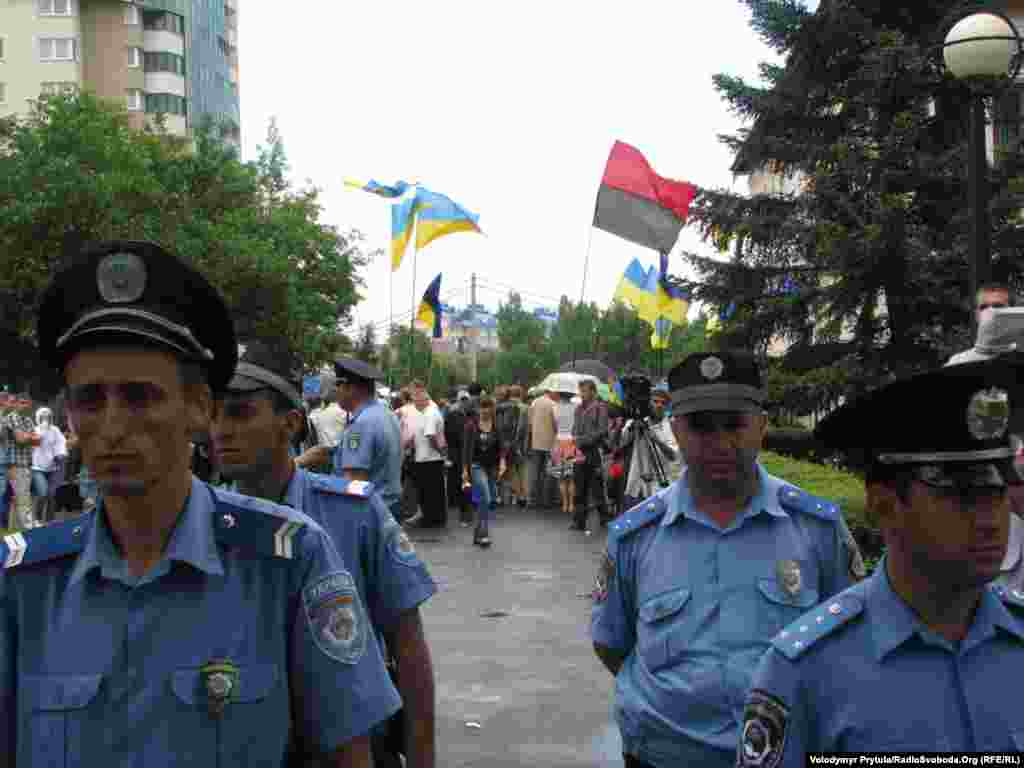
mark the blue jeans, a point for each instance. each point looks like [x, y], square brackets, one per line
[40, 484]
[482, 494]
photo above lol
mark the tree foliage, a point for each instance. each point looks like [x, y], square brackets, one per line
[871, 248]
[75, 170]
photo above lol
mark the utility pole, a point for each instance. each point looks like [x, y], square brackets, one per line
[471, 338]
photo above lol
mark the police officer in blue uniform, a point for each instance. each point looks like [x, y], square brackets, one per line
[698, 578]
[371, 448]
[254, 422]
[925, 655]
[177, 624]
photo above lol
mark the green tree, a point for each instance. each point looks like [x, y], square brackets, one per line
[410, 355]
[874, 243]
[74, 170]
[525, 356]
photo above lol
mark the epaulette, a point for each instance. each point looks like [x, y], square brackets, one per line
[792, 499]
[257, 525]
[360, 489]
[1013, 598]
[640, 516]
[799, 636]
[49, 542]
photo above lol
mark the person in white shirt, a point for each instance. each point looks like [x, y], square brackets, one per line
[47, 459]
[426, 426]
[329, 420]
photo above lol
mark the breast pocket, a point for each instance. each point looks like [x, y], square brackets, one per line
[778, 608]
[252, 723]
[54, 708]
[662, 629]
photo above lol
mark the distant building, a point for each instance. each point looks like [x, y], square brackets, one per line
[175, 57]
[476, 323]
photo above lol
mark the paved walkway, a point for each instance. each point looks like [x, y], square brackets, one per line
[526, 675]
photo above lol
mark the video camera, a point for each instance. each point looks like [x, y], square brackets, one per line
[636, 396]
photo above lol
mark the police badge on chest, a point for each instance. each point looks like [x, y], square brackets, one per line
[787, 574]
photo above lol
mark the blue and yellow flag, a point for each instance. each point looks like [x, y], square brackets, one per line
[403, 218]
[439, 216]
[429, 313]
[654, 299]
[634, 289]
[383, 190]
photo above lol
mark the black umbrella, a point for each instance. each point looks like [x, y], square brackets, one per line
[592, 368]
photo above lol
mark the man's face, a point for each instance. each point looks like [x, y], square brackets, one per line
[658, 405]
[957, 538]
[720, 449]
[420, 399]
[133, 416]
[991, 300]
[586, 393]
[246, 434]
[344, 392]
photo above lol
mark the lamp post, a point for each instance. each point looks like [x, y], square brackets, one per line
[979, 48]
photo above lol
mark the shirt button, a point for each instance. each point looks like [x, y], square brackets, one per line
[820, 619]
[834, 609]
[798, 645]
[783, 634]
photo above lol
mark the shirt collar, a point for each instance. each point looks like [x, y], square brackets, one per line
[296, 489]
[1014, 545]
[192, 541]
[362, 407]
[898, 623]
[680, 500]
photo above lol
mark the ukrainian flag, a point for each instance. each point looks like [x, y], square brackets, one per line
[440, 216]
[429, 313]
[635, 289]
[672, 303]
[383, 190]
[403, 217]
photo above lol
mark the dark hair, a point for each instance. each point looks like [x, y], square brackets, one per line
[588, 383]
[475, 389]
[898, 478]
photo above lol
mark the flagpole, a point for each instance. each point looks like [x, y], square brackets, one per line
[412, 320]
[391, 317]
[586, 268]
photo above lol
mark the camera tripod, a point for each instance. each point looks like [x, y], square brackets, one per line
[643, 437]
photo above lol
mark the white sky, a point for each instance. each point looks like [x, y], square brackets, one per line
[509, 109]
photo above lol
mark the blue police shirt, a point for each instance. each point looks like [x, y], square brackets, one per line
[693, 607]
[373, 443]
[98, 667]
[862, 673]
[389, 574]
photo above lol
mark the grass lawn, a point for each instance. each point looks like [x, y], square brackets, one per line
[844, 489]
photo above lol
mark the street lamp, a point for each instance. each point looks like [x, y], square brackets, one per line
[980, 48]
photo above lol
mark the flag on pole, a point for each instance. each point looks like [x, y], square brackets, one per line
[429, 313]
[383, 190]
[654, 299]
[439, 216]
[637, 204]
[403, 219]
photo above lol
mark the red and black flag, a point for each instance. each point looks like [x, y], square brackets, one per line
[637, 204]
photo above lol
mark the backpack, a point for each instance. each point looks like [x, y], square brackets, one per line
[506, 421]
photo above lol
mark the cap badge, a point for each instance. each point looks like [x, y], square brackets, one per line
[988, 414]
[711, 368]
[242, 348]
[788, 574]
[121, 278]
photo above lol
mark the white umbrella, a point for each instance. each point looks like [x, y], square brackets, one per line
[565, 381]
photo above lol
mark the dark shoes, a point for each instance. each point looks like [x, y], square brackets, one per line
[481, 538]
[575, 525]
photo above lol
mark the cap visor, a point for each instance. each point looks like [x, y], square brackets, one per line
[696, 405]
[245, 384]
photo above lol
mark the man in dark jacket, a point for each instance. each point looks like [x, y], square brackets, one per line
[590, 429]
[454, 429]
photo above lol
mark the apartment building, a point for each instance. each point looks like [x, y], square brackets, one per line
[178, 58]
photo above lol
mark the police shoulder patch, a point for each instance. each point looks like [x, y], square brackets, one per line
[50, 542]
[257, 525]
[792, 499]
[763, 736]
[335, 617]
[640, 516]
[798, 637]
[603, 580]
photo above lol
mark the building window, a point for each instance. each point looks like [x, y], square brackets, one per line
[167, 103]
[134, 98]
[165, 62]
[54, 7]
[56, 49]
[162, 21]
[134, 57]
[57, 89]
[131, 15]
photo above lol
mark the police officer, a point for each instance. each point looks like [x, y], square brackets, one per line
[254, 422]
[699, 578]
[930, 656]
[178, 624]
[371, 447]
